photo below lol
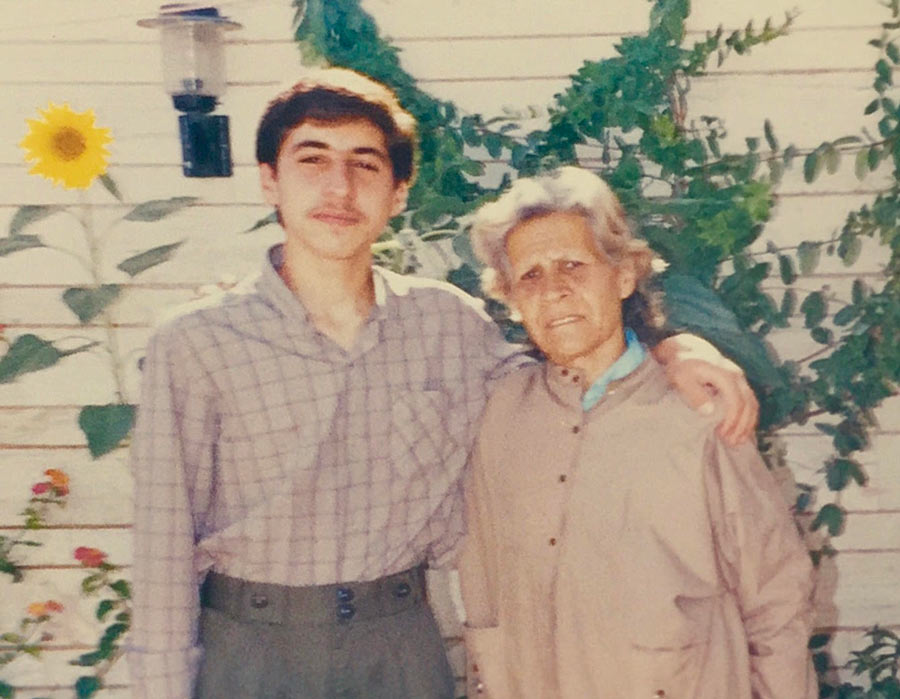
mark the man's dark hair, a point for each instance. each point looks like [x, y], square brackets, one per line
[338, 95]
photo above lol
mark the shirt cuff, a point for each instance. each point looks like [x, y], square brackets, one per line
[168, 675]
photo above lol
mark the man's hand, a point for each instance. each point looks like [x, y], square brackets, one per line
[702, 376]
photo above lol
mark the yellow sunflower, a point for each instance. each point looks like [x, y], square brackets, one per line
[67, 147]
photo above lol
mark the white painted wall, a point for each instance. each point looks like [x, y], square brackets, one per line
[484, 55]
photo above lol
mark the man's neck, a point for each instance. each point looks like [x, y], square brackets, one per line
[338, 294]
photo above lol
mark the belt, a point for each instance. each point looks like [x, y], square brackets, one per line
[245, 600]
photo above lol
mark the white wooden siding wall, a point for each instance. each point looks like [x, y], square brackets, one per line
[484, 55]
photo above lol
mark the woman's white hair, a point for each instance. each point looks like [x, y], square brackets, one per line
[567, 189]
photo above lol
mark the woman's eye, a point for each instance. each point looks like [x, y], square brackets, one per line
[529, 275]
[572, 264]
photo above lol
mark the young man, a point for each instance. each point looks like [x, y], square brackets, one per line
[299, 448]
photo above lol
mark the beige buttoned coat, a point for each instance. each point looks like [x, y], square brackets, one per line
[626, 552]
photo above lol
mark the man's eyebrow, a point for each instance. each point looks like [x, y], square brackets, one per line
[321, 145]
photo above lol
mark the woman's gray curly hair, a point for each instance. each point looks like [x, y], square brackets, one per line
[567, 189]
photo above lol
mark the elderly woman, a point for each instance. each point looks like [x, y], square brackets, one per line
[618, 548]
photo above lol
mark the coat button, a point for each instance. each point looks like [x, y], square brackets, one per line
[344, 594]
[576, 429]
[402, 590]
[553, 541]
[259, 601]
[346, 610]
[660, 694]
[562, 478]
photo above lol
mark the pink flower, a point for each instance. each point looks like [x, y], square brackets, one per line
[89, 557]
[40, 488]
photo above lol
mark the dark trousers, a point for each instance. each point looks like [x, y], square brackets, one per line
[374, 640]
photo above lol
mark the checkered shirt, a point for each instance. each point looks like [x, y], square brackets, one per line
[266, 452]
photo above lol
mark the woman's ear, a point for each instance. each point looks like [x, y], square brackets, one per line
[627, 278]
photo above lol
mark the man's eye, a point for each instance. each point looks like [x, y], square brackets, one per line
[367, 165]
[530, 275]
[569, 265]
[311, 160]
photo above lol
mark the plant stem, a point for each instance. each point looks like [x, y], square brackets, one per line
[96, 259]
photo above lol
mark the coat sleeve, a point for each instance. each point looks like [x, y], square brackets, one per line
[171, 461]
[766, 565]
[486, 668]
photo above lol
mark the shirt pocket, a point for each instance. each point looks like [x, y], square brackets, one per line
[419, 440]
[669, 653]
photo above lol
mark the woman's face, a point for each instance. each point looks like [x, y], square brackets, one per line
[567, 291]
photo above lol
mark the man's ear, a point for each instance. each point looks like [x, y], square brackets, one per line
[401, 194]
[627, 278]
[268, 181]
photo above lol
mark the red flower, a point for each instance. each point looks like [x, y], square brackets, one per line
[89, 557]
[40, 488]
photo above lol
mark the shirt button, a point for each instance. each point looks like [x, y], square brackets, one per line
[576, 429]
[575, 379]
[562, 478]
[565, 372]
[258, 601]
[553, 541]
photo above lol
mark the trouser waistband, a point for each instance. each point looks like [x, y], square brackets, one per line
[315, 604]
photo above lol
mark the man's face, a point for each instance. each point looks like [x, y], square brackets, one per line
[568, 293]
[334, 187]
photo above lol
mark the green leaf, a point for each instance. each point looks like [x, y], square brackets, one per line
[893, 52]
[86, 687]
[26, 215]
[832, 158]
[812, 166]
[109, 184]
[861, 165]
[493, 144]
[122, 588]
[16, 243]
[846, 315]
[786, 269]
[883, 69]
[814, 309]
[89, 302]
[149, 258]
[770, 135]
[26, 354]
[874, 157]
[808, 255]
[839, 472]
[849, 249]
[158, 209]
[823, 336]
[7, 691]
[830, 516]
[266, 220]
[871, 107]
[105, 426]
[104, 608]
[819, 640]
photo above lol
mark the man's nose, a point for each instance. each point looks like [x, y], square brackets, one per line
[339, 179]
